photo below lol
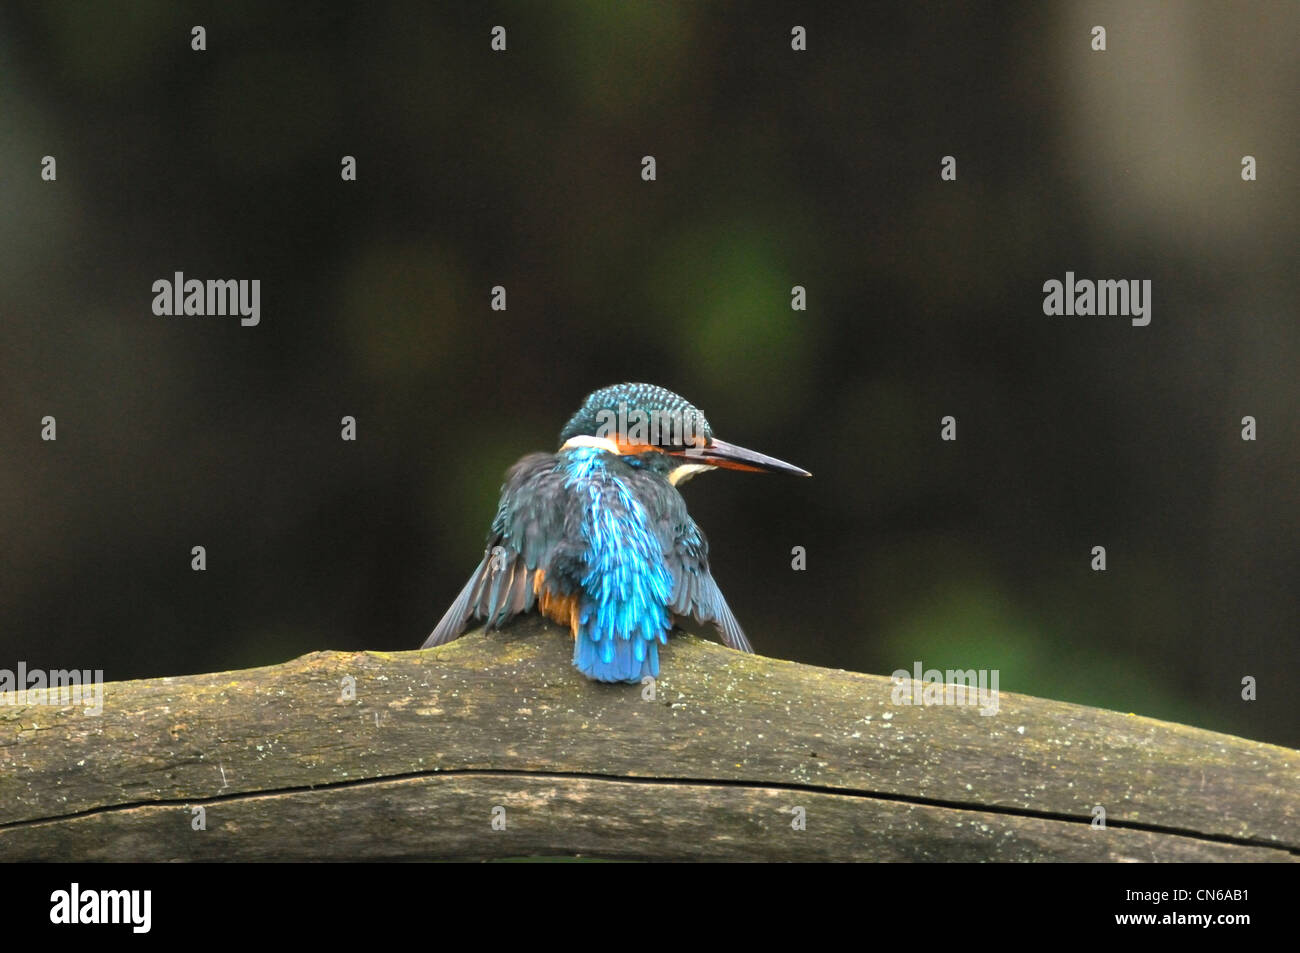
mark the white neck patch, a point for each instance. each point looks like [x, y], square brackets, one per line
[686, 471]
[600, 443]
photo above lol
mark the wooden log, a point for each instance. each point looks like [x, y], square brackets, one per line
[494, 746]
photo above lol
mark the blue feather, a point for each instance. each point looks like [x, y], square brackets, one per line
[626, 587]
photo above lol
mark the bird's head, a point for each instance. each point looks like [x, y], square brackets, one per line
[644, 419]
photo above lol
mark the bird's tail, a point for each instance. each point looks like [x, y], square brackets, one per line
[612, 653]
[616, 659]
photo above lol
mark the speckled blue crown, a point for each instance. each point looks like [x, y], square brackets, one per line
[595, 414]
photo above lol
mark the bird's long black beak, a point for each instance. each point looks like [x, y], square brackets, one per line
[719, 453]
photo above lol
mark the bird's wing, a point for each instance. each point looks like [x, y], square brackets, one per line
[453, 621]
[710, 606]
[686, 553]
[526, 534]
[696, 594]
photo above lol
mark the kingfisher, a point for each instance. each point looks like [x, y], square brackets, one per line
[597, 538]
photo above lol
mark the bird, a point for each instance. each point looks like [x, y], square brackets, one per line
[597, 537]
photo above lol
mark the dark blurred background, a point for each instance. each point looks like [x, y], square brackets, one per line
[775, 168]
